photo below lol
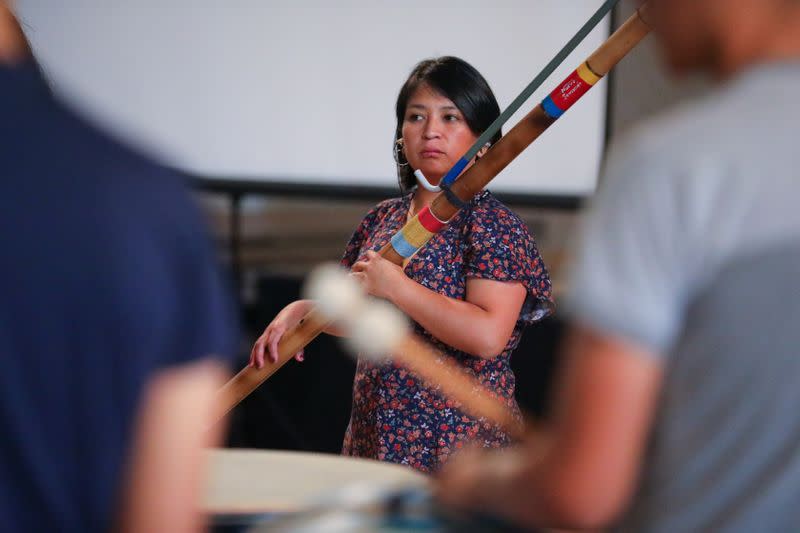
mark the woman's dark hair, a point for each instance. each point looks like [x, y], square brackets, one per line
[456, 80]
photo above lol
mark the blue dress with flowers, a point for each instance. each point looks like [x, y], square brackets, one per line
[395, 417]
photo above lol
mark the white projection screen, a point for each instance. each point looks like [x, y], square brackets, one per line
[303, 91]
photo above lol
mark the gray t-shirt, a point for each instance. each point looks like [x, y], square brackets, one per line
[692, 249]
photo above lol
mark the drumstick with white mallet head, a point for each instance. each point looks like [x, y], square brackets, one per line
[377, 330]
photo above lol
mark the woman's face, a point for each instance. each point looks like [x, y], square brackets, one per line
[435, 133]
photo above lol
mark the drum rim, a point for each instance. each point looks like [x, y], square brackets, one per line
[413, 478]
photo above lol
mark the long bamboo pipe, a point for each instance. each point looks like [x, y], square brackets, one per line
[470, 183]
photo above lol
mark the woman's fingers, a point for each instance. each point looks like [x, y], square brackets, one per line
[260, 347]
[267, 345]
[254, 351]
[257, 354]
[272, 343]
[252, 361]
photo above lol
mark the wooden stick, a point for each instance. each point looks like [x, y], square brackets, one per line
[530, 128]
[470, 183]
[249, 378]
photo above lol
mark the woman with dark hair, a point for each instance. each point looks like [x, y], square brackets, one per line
[470, 290]
[468, 92]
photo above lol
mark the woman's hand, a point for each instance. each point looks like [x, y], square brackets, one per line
[378, 276]
[267, 343]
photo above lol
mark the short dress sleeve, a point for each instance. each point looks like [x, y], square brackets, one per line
[500, 248]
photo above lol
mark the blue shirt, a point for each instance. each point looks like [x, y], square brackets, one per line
[107, 275]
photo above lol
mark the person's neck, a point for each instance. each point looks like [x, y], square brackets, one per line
[13, 47]
[421, 198]
[777, 41]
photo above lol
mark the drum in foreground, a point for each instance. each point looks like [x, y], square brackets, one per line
[293, 492]
[250, 486]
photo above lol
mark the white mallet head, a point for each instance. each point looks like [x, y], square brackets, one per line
[374, 327]
[377, 331]
[337, 294]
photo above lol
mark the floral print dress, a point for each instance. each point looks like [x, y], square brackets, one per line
[397, 418]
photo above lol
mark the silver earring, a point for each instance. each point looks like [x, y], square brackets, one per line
[398, 152]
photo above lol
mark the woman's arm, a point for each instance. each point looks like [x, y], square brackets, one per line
[267, 343]
[479, 325]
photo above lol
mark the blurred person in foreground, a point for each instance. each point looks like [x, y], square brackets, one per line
[676, 409]
[111, 309]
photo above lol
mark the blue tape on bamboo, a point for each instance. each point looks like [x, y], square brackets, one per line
[550, 107]
[454, 172]
[532, 87]
[403, 248]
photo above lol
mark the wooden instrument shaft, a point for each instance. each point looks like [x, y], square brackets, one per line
[470, 183]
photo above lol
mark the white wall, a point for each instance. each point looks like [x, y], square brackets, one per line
[305, 90]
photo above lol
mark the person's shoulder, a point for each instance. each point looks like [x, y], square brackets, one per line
[687, 134]
[395, 202]
[130, 163]
[107, 177]
[686, 151]
[487, 207]
[105, 163]
[388, 206]
[658, 138]
[130, 191]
